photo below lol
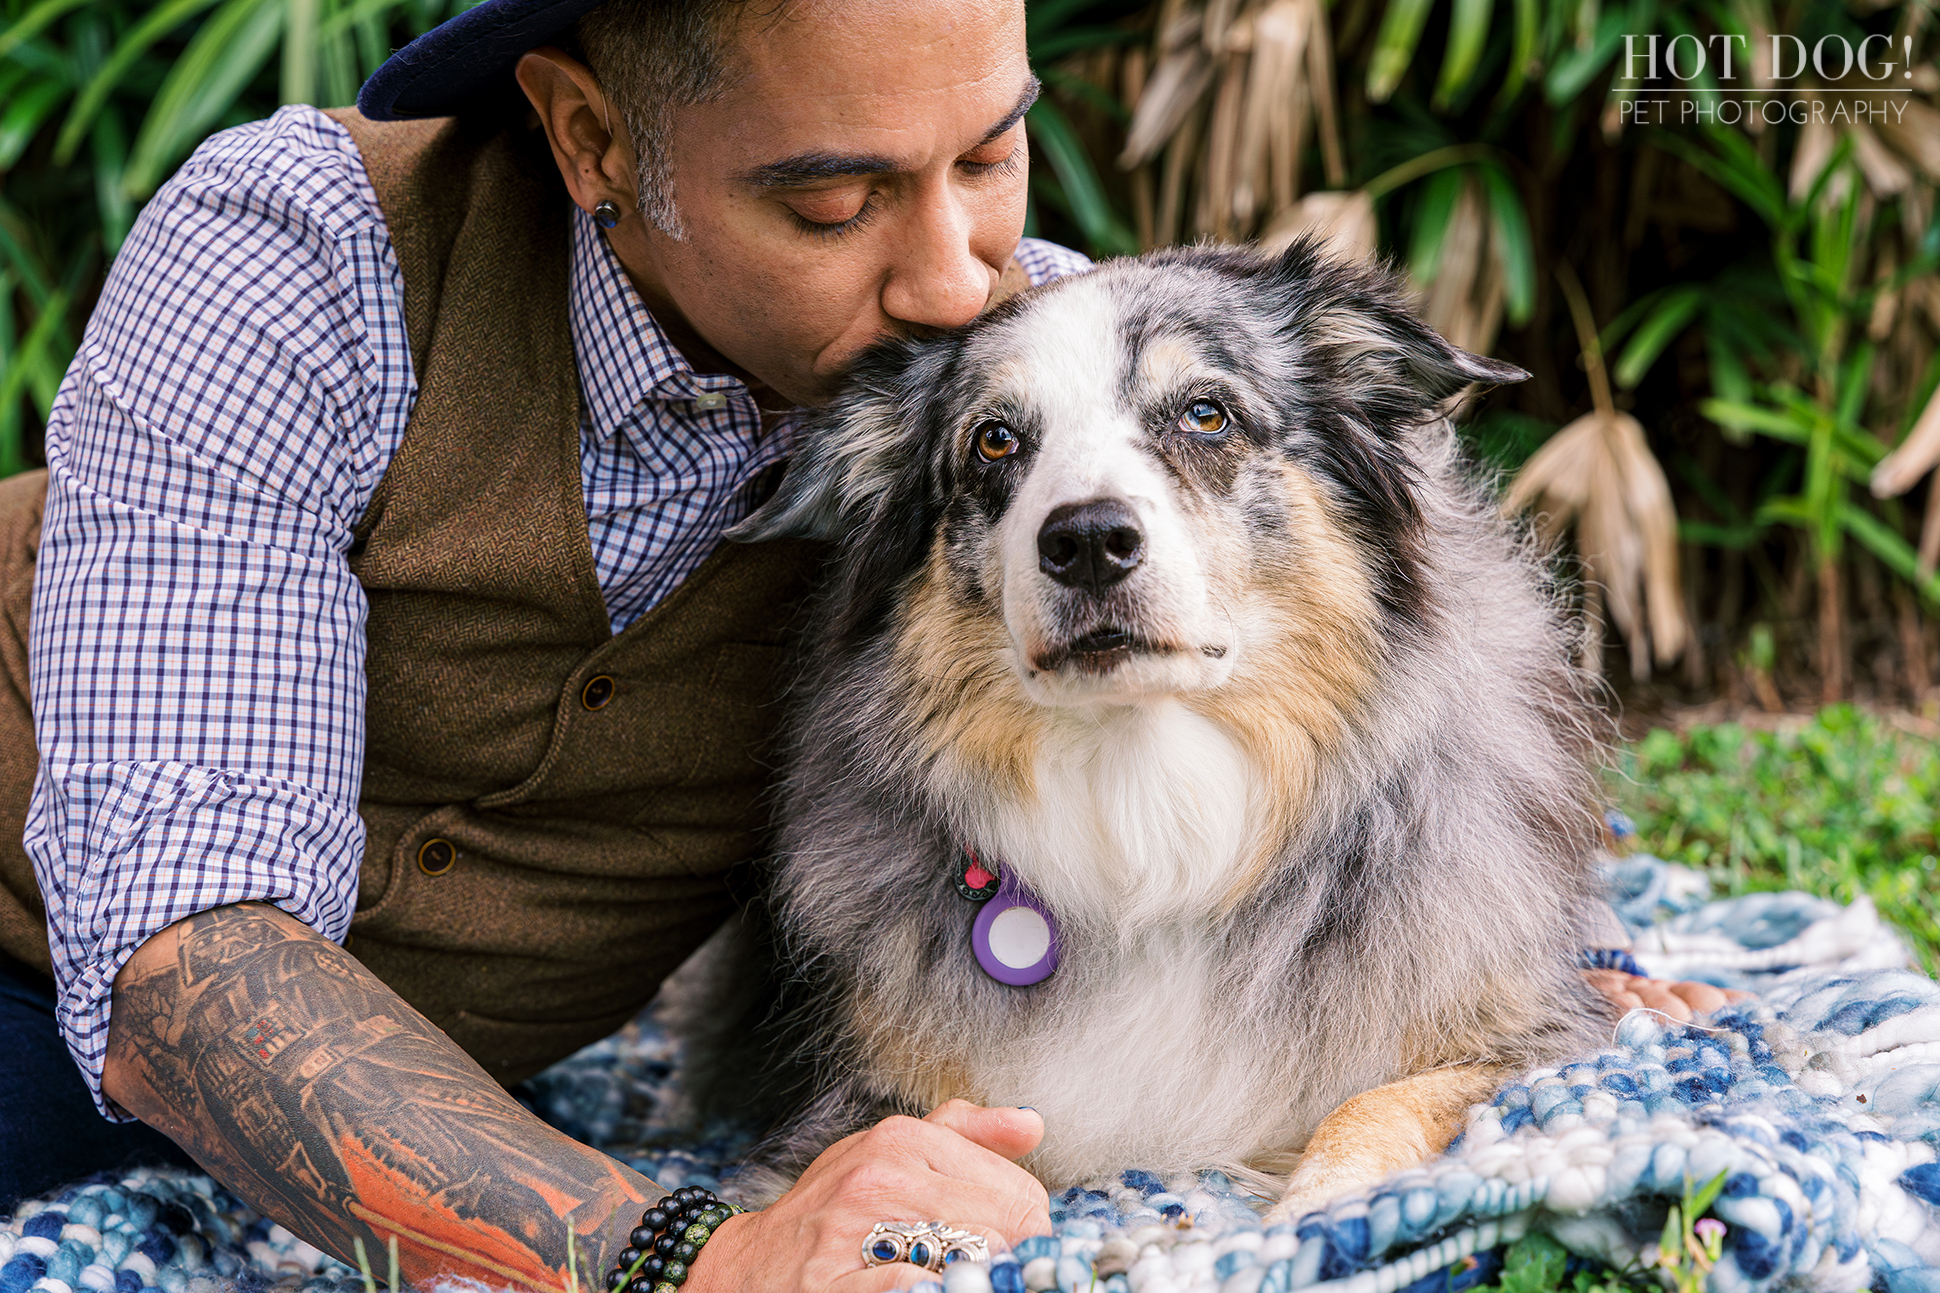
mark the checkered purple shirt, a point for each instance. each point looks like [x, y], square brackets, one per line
[197, 652]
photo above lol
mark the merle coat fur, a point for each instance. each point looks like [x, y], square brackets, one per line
[1306, 773]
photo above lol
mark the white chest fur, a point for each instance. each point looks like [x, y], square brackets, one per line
[1143, 820]
[1142, 814]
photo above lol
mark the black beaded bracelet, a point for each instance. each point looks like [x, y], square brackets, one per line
[663, 1246]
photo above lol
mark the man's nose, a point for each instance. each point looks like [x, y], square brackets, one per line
[937, 281]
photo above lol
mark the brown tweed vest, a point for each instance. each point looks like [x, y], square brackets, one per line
[579, 796]
[552, 810]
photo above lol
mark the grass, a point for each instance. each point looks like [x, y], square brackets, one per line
[1840, 804]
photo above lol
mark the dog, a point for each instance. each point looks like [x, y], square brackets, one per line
[1169, 642]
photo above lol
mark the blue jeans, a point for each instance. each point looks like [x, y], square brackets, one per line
[50, 1133]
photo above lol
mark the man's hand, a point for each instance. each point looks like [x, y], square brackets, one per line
[1678, 1000]
[955, 1165]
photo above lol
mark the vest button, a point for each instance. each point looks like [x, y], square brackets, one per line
[598, 690]
[435, 857]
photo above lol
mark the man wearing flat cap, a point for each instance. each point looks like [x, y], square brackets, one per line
[396, 703]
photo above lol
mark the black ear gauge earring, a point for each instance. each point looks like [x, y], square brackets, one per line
[607, 213]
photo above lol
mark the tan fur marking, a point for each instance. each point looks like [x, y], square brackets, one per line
[1379, 1132]
[1288, 703]
[1168, 364]
[966, 702]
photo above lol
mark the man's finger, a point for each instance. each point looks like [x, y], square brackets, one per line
[1701, 997]
[1658, 996]
[1008, 1133]
[878, 1279]
[945, 1174]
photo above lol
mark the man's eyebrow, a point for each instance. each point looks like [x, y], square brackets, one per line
[1032, 89]
[809, 168]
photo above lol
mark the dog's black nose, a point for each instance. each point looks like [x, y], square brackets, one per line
[1090, 545]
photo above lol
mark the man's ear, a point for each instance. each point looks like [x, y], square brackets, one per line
[588, 137]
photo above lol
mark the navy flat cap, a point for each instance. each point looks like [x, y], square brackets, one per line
[464, 59]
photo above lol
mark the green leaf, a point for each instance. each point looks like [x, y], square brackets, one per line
[1789, 509]
[159, 22]
[1468, 32]
[1057, 45]
[33, 22]
[1737, 537]
[1103, 230]
[24, 112]
[1756, 417]
[1897, 554]
[1853, 383]
[1579, 66]
[1095, 95]
[1673, 313]
[110, 153]
[1435, 207]
[300, 49]
[1534, 1265]
[1698, 1202]
[1522, 52]
[1048, 15]
[1510, 225]
[1729, 380]
[1735, 167]
[32, 353]
[1394, 46]
[226, 53]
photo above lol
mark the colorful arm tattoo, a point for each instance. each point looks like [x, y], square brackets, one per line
[312, 1090]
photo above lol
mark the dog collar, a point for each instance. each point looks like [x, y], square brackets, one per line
[1014, 936]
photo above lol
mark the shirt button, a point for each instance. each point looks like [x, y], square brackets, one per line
[710, 400]
[598, 690]
[435, 857]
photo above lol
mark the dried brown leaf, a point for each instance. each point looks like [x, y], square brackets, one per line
[1886, 175]
[1816, 142]
[1598, 472]
[1320, 76]
[1174, 88]
[1914, 133]
[1343, 223]
[1916, 455]
[1275, 107]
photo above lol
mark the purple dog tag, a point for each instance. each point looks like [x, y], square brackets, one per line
[1015, 937]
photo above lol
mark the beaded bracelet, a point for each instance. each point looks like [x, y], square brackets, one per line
[663, 1246]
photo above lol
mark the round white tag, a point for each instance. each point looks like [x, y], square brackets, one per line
[1019, 937]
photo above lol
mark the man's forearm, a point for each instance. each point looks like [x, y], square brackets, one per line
[303, 1083]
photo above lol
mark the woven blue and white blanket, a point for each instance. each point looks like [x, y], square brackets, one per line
[1819, 1101]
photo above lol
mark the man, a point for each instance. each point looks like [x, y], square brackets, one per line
[381, 599]
[381, 590]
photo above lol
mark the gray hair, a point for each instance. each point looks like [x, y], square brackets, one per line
[652, 56]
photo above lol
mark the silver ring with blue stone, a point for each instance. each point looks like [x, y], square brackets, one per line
[929, 1244]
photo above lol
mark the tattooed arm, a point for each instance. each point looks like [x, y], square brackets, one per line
[295, 1077]
[307, 1086]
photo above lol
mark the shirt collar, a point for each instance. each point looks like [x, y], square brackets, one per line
[625, 360]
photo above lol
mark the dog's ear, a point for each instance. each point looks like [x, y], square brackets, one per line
[846, 457]
[1356, 323]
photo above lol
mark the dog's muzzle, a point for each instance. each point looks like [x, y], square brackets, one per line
[929, 1244]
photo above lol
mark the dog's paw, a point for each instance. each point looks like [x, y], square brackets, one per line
[1321, 1178]
[1378, 1133]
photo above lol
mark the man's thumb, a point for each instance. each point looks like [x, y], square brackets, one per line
[1008, 1133]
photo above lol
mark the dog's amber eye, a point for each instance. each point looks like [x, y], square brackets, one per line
[995, 440]
[1203, 417]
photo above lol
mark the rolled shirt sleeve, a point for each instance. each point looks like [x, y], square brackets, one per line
[197, 645]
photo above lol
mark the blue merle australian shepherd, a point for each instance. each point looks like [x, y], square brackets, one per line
[1184, 749]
